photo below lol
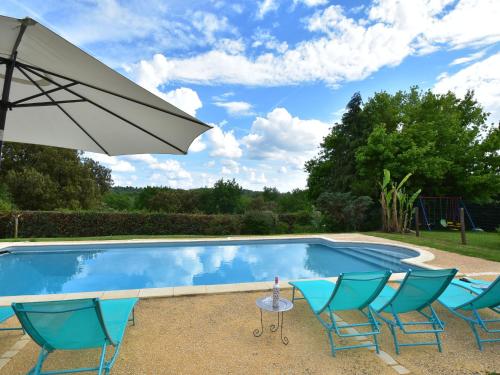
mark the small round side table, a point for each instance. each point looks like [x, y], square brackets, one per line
[266, 303]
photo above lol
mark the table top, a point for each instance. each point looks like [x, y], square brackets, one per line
[266, 303]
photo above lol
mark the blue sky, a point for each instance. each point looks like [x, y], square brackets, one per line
[273, 76]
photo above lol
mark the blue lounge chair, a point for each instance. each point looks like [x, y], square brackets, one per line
[74, 325]
[418, 290]
[5, 313]
[352, 291]
[464, 303]
[473, 285]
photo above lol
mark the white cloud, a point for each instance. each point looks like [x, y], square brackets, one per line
[279, 136]
[236, 108]
[168, 172]
[344, 48]
[258, 178]
[118, 31]
[230, 167]
[311, 3]
[184, 98]
[238, 8]
[209, 24]
[92, 23]
[223, 143]
[472, 22]
[230, 46]
[146, 158]
[263, 38]
[197, 145]
[114, 162]
[266, 6]
[483, 77]
[121, 180]
[173, 168]
[467, 59]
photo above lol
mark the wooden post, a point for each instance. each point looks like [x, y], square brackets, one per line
[417, 229]
[462, 226]
[16, 225]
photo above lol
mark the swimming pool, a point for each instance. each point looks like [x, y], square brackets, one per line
[97, 267]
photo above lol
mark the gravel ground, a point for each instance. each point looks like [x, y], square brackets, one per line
[212, 334]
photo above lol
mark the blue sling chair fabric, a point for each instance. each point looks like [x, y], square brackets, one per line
[465, 301]
[352, 291]
[416, 293]
[74, 325]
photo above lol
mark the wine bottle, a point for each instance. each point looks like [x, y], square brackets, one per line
[276, 293]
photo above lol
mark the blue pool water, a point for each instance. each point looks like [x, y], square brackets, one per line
[81, 268]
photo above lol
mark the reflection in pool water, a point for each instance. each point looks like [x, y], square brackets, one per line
[133, 266]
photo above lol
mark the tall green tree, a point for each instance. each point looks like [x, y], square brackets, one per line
[225, 197]
[440, 138]
[443, 140]
[45, 178]
[335, 169]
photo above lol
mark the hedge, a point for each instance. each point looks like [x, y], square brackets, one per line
[93, 224]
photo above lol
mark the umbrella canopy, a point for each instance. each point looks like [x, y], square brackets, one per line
[55, 94]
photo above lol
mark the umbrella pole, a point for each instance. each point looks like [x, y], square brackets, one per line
[9, 71]
[4, 104]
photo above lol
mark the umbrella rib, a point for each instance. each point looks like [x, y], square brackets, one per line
[62, 109]
[41, 94]
[45, 104]
[116, 94]
[107, 110]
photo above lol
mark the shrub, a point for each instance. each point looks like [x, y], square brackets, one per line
[83, 224]
[293, 219]
[259, 222]
[94, 224]
[343, 211]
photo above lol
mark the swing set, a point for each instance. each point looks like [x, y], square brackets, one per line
[443, 212]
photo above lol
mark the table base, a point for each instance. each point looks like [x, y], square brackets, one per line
[273, 328]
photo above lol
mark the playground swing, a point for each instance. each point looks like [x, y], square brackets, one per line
[443, 212]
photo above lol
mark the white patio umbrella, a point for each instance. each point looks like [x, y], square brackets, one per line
[55, 94]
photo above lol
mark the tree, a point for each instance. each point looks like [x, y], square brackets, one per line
[166, 200]
[143, 200]
[32, 190]
[225, 197]
[295, 201]
[5, 199]
[335, 167]
[44, 178]
[441, 139]
[343, 211]
[118, 201]
[270, 194]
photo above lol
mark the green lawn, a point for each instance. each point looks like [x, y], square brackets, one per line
[479, 244]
